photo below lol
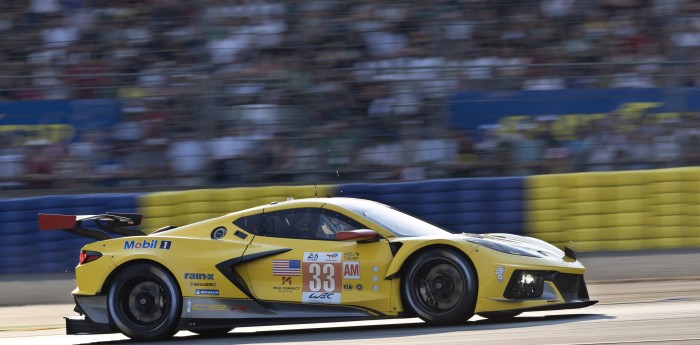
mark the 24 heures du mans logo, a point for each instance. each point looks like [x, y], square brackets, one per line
[146, 244]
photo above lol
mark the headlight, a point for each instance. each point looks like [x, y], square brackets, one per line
[525, 284]
[504, 248]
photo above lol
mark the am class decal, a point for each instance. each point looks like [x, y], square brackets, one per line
[351, 270]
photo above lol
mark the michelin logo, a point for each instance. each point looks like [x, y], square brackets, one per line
[146, 244]
[206, 292]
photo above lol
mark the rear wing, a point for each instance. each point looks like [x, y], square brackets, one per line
[110, 222]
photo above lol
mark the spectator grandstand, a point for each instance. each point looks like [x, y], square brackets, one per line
[260, 91]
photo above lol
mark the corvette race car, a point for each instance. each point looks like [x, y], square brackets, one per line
[306, 260]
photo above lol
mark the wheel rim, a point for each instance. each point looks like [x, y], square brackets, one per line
[439, 286]
[144, 302]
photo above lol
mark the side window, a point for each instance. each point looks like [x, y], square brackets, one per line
[298, 223]
[306, 223]
[331, 222]
[251, 224]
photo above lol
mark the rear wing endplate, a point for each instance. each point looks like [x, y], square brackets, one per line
[110, 222]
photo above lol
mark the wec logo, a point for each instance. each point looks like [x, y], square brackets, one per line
[146, 244]
[319, 296]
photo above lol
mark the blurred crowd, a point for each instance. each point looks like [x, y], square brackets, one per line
[246, 91]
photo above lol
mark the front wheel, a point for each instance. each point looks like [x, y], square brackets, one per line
[440, 287]
[144, 302]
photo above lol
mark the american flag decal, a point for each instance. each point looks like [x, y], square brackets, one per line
[286, 268]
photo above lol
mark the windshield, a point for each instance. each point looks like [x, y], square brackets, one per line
[399, 223]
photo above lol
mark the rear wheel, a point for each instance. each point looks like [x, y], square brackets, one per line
[144, 302]
[439, 286]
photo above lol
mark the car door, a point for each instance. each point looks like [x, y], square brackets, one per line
[311, 267]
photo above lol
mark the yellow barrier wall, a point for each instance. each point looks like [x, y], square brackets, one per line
[622, 210]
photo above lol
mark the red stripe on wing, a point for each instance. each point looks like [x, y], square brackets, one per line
[56, 221]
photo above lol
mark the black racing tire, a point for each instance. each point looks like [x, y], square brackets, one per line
[500, 315]
[440, 287]
[144, 302]
[212, 332]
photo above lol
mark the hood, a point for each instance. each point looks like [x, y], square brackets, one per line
[523, 242]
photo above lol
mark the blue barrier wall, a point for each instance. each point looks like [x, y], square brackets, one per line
[24, 249]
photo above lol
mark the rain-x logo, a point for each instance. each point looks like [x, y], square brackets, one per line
[199, 276]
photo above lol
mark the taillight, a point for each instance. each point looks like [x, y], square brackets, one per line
[87, 256]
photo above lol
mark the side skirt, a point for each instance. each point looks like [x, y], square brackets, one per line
[202, 313]
[197, 324]
[207, 313]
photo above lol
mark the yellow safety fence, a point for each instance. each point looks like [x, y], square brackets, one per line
[622, 210]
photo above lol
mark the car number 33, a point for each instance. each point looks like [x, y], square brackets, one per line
[322, 277]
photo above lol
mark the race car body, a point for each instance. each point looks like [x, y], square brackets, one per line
[308, 260]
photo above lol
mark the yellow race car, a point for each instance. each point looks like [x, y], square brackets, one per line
[307, 260]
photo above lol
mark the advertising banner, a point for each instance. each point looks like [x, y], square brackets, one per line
[57, 120]
[471, 110]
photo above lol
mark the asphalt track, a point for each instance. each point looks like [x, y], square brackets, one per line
[645, 298]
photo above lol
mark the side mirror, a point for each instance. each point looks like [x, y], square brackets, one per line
[360, 235]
